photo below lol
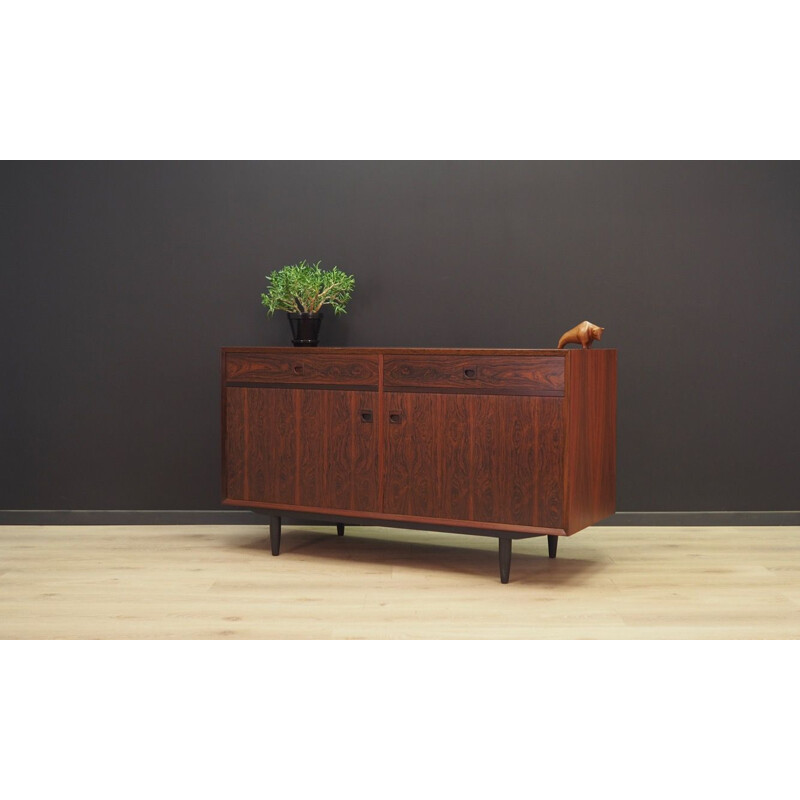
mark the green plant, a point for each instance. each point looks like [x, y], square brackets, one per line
[305, 288]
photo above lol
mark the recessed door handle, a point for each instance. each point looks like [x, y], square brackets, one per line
[298, 369]
[366, 416]
[471, 372]
[395, 419]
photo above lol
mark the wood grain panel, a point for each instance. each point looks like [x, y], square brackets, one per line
[548, 487]
[475, 374]
[487, 458]
[455, 456]
[590, 473]
[364, 473]
[411, 475]
[270, 449]
[485, 436]
[340, 369]
[338, 450]
[234, 444]
[517, 461]
[340, 421]
[313, 449]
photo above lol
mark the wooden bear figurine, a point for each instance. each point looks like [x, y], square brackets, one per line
[583, 334]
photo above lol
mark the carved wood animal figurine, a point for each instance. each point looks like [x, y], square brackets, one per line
[583, 334]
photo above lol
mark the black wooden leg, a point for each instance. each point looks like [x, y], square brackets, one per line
[340, 529]
[552, 545]
[505, 558]
[275, 534]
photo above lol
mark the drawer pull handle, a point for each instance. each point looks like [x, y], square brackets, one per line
[471, 372]
[395, 419]
[298, 369]
[366, 416]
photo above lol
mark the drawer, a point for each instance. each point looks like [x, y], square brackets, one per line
[325, 369]
[536, 375]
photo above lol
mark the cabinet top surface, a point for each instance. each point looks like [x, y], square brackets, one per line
[474, 351]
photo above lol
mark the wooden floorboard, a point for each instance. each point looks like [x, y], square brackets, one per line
[221, 582]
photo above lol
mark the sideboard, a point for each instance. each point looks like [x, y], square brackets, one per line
[504, 443]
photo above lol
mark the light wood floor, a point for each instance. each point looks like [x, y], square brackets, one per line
[221, 582]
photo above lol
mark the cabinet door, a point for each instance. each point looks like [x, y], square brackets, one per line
[487, 458]
[338, 449]
[302, 447]
[260, 444]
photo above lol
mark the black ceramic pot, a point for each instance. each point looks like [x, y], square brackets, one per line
[305, 329]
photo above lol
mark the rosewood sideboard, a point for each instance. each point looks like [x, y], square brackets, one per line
[504, 443]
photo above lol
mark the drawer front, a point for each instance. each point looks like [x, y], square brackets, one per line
[536, 375]
[322, 369]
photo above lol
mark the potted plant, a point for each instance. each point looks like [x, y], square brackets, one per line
[302, 290]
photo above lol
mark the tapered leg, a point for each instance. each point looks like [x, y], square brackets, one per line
[340, 529]
[505, 558]
[275, 534]
[552, 545]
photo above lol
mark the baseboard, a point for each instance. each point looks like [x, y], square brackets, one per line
[244, 517]
[701, 518]
[115, 517]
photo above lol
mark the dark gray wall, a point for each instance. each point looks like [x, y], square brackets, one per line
[122, 280]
